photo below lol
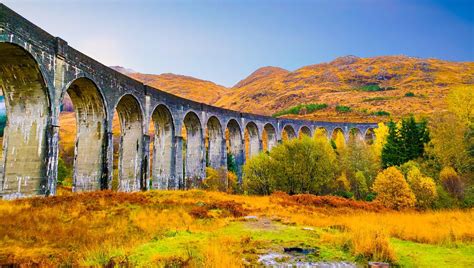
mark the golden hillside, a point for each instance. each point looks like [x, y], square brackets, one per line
[180, 85]
[347, 81]
[397, 85]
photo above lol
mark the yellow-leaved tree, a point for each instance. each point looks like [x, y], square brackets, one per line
[392, 189]
[381, 133]
[423, 187]
[461, 102]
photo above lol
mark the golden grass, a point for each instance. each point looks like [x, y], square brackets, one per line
[103, 228]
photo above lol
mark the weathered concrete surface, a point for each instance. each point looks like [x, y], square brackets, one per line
[90, 117]
[131, 132]
[25, 142]
[37, 70]
[163, 149]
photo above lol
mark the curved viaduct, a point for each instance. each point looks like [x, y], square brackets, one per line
[37, 70]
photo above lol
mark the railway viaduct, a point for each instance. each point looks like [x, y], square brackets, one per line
[38, 69]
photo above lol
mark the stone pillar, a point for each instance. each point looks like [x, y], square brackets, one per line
[144, 178]
[108, 158]
[223, 156]
[179, 177]
[52, 136]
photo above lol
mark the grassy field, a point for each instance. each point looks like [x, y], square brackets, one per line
[209, 229]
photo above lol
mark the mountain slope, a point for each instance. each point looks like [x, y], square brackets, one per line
[180, 85]
[371, 88]
[366, 85]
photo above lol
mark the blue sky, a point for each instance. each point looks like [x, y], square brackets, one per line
[224, 41]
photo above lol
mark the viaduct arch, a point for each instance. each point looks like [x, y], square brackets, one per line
[38, 69]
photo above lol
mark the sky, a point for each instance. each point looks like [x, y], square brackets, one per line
[224, 41]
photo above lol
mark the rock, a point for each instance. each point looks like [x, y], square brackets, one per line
[308, 229]
[251, 218]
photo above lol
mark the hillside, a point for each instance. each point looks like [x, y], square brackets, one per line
[371, 88]
[180, 85]
[398, 85]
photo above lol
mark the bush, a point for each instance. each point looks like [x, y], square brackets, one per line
[393, 190]
[296, 166]
[342, 184]
[359, 185]
[445, 200]
[381, 113]
[405, 168]
[423, 187]
[258, 177]
[307, 108]
[452, 182]
[343, 109]
[370, 88]
[409, 94]
[220, 180]
[64, 173]
[468, 201]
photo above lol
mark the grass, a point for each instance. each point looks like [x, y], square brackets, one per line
[343, 109]
[162, 228]
[381, 113]
[376, 99]
[373, 88]
[309, 108]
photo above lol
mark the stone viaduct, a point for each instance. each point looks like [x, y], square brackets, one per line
[37, 70]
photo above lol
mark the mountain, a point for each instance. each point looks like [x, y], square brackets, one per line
[365, 89]
[180, 85]
[397, 85]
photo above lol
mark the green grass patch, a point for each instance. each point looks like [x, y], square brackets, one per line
[381, 113]
[373, 88]
[310, 108]
[411, 254]
[343, 109]
[375, 99]
[409, 94]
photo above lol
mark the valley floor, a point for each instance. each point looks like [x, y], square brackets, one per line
[209, 229]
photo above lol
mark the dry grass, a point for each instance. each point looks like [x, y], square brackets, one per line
[105, 227]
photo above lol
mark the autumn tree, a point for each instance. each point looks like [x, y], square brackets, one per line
[423, 187]
[452, 182]
[258, 175]
[392, 189]
[303, 165]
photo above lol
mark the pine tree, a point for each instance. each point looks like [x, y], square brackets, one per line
[405, 143]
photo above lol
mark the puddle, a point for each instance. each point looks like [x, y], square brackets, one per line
[295, 257]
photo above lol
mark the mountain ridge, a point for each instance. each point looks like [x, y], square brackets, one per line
[371, 87]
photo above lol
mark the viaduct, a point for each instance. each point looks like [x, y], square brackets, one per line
[38, 69]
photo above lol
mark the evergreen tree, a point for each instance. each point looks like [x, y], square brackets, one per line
[405, 143]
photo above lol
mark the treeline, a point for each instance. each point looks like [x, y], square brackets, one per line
[411, 163]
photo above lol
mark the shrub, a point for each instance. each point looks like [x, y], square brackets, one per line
[296, 166]
[468, 201]
[63, 173]
[258, 178]
[343, 109]
[220, 180]
[423, 187]
[381, 113]
[359, 185]
[410, 94]
[307, 108]
[408, 166]
[371, 87]
[342, 184]
[452, 182]
[445, 200]
[393, 190]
